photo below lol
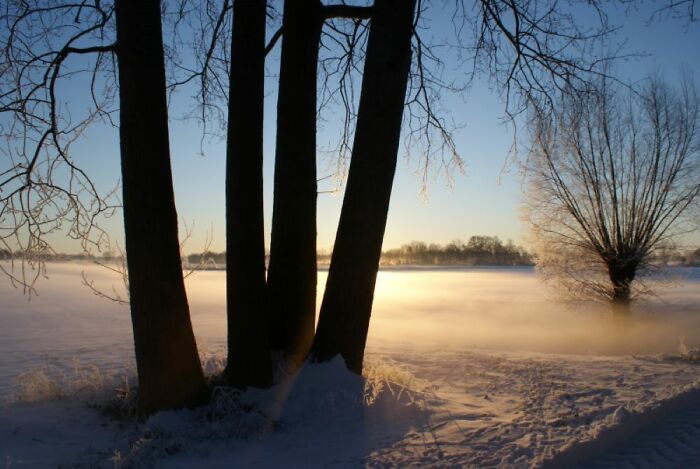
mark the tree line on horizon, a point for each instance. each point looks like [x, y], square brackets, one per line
[479, 250]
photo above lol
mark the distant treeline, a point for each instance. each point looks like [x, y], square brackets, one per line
[688, 257]
[479, 250]
[6, 254]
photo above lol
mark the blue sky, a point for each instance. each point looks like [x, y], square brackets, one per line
[484, 200]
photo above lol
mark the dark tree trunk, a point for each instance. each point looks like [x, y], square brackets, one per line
[169, 371]
[248, 349]
[622, 274]
[291, 279]
[347, 302]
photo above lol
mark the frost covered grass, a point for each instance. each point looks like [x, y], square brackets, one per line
[355, 413]
[280, 426]
[84, 381]
[688, 353]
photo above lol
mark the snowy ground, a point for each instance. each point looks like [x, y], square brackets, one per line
[467, 367]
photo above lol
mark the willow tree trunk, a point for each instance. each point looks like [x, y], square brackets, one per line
[291, 278]
[347, 302]
[170, 374]
[248, 346]
[622, 273]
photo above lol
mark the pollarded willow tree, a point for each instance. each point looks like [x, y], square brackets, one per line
[612, 176]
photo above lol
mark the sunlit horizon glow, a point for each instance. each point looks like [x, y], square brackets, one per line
[503, 309]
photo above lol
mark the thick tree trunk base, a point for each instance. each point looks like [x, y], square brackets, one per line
[621, 306]
[169, 371]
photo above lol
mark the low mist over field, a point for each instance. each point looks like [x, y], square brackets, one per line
[493, 308]
[510, 308]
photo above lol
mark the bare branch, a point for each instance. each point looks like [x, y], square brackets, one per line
[275, 37]
[347, 11]
[42, 189]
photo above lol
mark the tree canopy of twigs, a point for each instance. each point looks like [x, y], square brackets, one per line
[528, 50]
[47, 46]
[57, 78]
[612, 175]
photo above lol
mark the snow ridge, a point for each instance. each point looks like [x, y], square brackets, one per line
[673, 443]
[662, 435]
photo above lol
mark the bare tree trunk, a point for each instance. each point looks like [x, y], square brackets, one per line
[622, 274]
[248, 346]
[170, 374]
[347, 302]
[291, 279]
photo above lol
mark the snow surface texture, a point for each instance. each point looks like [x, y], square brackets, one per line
[433, 395]
[664, 436]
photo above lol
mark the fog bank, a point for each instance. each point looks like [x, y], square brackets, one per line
[505, 309]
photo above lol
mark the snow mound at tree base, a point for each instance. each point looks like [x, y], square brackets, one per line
[324, 413]
[327, 394]
[281, 426]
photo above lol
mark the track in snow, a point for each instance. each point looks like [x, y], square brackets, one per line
[673, 442]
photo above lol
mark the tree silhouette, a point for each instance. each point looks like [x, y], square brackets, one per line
[248, 344]
[612, 175]
[291, 278]
[347, 301]
[42, 45]
[170, 374]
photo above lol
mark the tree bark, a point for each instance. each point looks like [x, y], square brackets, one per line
[248, 346]
[347, 302]
[170, 374]
[291, 280]
[622, 274]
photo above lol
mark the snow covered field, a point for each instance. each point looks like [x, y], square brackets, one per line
[465, 367]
